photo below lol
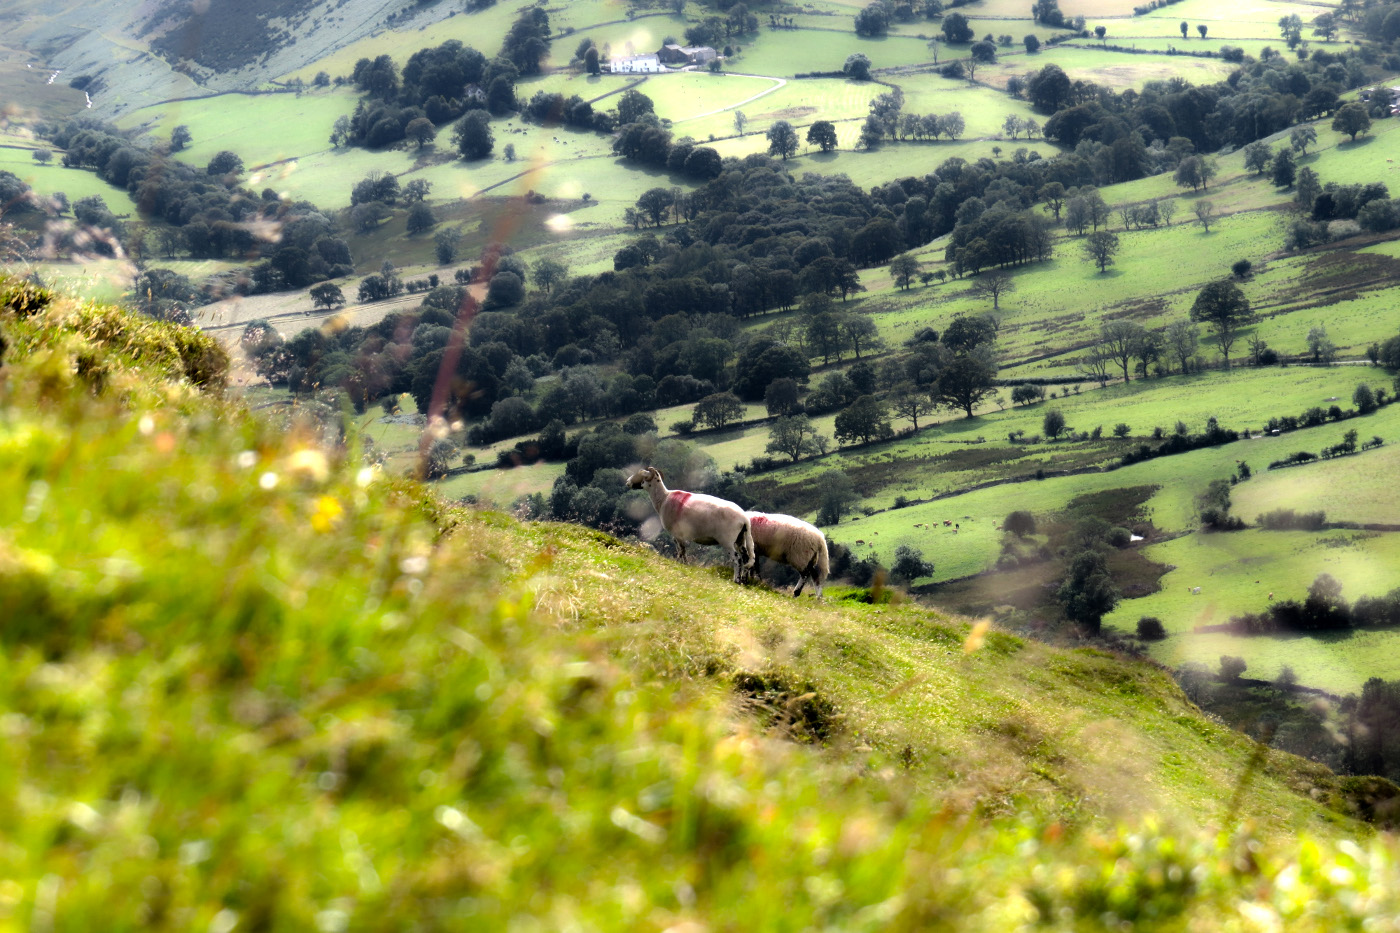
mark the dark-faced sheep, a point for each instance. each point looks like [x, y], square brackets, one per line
[792, 541]
[696, 517]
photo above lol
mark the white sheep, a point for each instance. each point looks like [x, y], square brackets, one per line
[793, 542]
[696, 517]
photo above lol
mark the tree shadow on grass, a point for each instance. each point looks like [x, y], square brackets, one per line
[1348, 145]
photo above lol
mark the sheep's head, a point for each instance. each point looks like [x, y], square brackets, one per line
[643, 477]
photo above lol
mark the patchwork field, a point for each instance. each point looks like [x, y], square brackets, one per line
[1236, 573]
[76, 183]
[263, 129]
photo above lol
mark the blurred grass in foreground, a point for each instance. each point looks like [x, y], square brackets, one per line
[247, 684]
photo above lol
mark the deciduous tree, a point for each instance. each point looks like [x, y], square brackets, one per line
[1352, 119]
[782, 140]
[1100, 247]
[903, 269]
[1205, 213]
[473, 136]
[1223, 308]
[968, 380]
[793, 436]
[865, 420]
[822, 134]
[909, 401]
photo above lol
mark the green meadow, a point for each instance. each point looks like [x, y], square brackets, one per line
[1182, 477]
[1113, 69]
[800, 102]
[1237, 571]
[77, 183]
[679, 96]
[262, 128]
[1348, 489]
[785, 52]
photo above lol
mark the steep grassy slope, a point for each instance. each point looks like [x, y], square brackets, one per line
[247, 684]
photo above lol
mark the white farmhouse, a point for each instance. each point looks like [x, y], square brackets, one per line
[637, 64]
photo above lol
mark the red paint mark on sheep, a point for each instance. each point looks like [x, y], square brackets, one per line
[761, 521]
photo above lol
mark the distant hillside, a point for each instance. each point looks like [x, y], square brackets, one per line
[146, 53]
[248, 683]
[226, 35]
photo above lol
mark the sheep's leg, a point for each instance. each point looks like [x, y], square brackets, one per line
[680, 549]
[808, 573]
[741, 559]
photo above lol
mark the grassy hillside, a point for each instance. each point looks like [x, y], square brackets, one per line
[248, 682]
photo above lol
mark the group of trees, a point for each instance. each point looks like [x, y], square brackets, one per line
[1261, 98]
[1132, 348]
[642, 139]
[444, 83]
[887, 119]
[876, 18]
[205, 214]
[1323, 610]
[714, 30]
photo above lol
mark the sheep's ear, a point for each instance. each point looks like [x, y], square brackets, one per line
[657, 473]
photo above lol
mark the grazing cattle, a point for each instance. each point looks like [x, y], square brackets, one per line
[792, 541]
[696, 517]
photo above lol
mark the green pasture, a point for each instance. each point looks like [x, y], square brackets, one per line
[679, 96]
[1113, 69]
[983, 109]
[1361, 162]
[261, 128]
[197, 270]
[1339, 663]
[1118, 9]
[1058, 304]
[879, 166]
[501, 487]
[1237, 571]
[94, 279]
[1181, 477]
[77, 183]
[800, 102]
[1349, 489]
[1231, 29]
[587, 246]
[1352, 325]
[1334, 157]
[1131, 38]
[1260, 15]
[786, 52]
[551, 160]
[954, 458]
